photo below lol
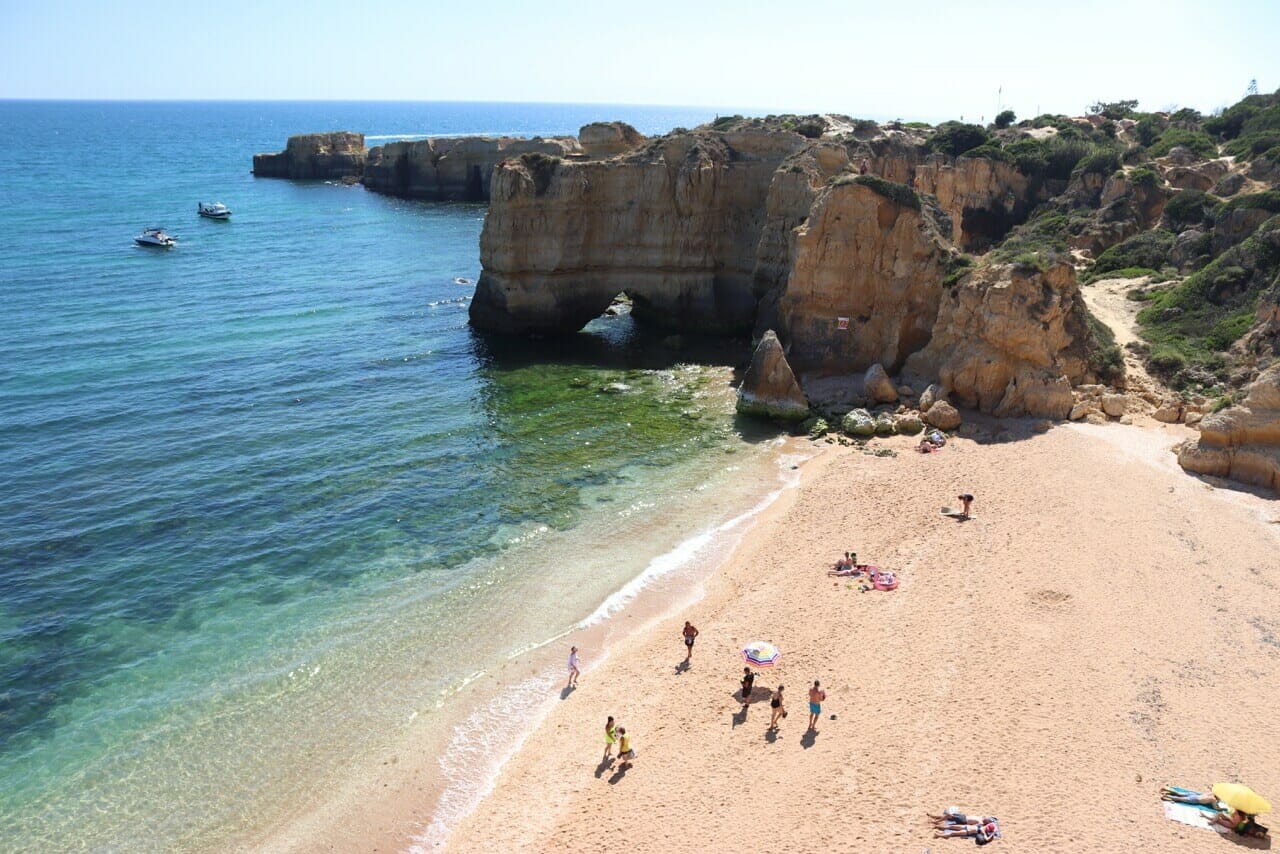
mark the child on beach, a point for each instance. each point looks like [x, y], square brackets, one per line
[748, 682]
[779, 710]
[625, 751]
[610, 737]
[573, 667]
[965, 500]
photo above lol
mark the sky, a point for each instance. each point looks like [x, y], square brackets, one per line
[916, 60]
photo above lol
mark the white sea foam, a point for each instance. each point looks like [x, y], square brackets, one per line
[480, 746]
[494, 733]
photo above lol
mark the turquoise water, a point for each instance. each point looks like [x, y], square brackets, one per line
[264, 491]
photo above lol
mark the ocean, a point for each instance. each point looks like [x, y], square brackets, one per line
[270, 505]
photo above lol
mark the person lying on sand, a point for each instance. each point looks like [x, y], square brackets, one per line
[953, 817]
[985, 830]
[1241, 823]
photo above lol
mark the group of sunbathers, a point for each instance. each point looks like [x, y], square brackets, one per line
[1241, 823]
[848, 565]
[952, 822]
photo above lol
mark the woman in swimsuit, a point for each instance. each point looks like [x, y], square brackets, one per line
[610, 737]
[779, 710]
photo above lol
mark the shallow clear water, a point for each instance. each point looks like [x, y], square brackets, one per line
[267, 497]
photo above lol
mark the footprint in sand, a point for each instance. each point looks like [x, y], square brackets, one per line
[1049, 598]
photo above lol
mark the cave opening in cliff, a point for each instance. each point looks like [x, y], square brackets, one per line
[985, 227]
[475, 184]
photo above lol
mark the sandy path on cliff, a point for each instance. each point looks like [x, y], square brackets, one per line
[1104, 625]
[1107, 301]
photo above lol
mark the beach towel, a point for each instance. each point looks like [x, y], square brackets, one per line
[1196, 815]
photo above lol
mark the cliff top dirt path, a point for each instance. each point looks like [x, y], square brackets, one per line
[1106, 624]
[1107, 301]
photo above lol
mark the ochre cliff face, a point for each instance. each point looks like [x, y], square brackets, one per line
[985, 198]
[868, 259]
[450, 169]
[339, 154]
[1009, 341]
[1241, 442]
[676, 225]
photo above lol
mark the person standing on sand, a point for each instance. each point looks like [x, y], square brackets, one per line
[689, 634]
[748, 682]
[816, 696]
[625, 752]
[965, 500]
[610, 737]
[573, 668]
[779, 710]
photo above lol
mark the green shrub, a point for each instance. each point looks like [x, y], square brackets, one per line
[865, 126]
[1213, 307]
[1105, 357]
[1146, 249]
[900, 193]
[960, 265]
[1035, 244]
[991, 151]
[1090, 276]
[1148, 130]
[1005, 118]
[1247, 147]
[1268, 200]
[1166, 360]
[1143, 176]
[1197, 141]
[811, 127]
[723, 122]
[1100, 161]
[1053, 158]
[1188, 208]
[1114, 109]
[955, 138]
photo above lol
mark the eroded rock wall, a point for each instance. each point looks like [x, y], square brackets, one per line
[452, 168]
[869, 259]
[985, 198]
[1010, 341]
[675, 224]
[338, 154]
[1241, 442]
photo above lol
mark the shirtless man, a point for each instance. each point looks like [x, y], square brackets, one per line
[689, 634]
[816, 696]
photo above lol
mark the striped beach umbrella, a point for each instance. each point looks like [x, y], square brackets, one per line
[761, 654]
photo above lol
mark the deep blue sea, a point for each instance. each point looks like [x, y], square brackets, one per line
[268, 502]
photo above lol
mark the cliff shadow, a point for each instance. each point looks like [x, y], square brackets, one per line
[614, 342]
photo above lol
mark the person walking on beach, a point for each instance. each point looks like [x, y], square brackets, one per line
[689, 634]
[779, 710]
[573, 668]
[625, 751]
[965, 500]
[610, 737]
[816, 696]
[748, 682]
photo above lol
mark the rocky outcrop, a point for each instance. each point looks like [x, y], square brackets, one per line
[1009, 340]
[599, 140]
[1241, 442]
[985, 198]
[451, 169]
[769, 387]
[675, 224]
[870, 263]
[877, 387]
[339, 154]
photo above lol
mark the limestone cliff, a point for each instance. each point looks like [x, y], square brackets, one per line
[600, 140]
[1241, 442]
[874, 260]
[985, 198]
[675, 224]
[339, 154]
[451, 168]
[1009, 340]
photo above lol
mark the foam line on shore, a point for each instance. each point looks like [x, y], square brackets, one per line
[494, 733]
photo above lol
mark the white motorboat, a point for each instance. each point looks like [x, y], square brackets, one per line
[155, 237]
[214, 210]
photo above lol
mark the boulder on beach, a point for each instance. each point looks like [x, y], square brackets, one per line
[858, 422]
[942, 415]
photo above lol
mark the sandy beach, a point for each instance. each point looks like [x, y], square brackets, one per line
[1104, 624]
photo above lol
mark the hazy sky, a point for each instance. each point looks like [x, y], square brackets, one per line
[912, 60]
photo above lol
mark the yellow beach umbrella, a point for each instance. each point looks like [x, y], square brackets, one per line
[1240, 797]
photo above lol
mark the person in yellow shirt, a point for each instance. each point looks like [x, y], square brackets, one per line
[625, 751]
